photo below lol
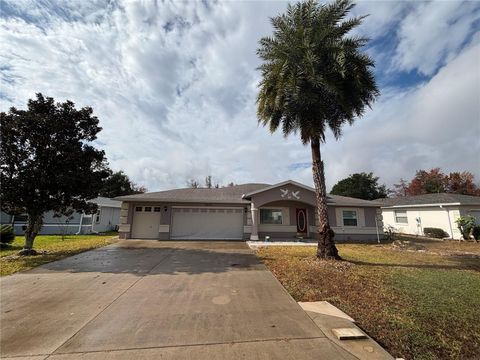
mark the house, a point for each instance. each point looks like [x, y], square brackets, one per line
[249, 211]
[411, 214]
[107, 218]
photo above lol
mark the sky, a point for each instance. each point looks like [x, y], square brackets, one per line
[174, 85]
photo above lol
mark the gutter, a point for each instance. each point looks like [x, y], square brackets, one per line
[200, 201]
[424, 205]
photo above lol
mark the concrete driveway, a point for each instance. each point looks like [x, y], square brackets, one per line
[151, 300]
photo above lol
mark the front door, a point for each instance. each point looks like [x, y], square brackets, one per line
[302, 221]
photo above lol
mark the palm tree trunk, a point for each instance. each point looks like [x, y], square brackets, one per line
[326, 246]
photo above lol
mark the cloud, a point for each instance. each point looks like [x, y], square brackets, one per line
[437, 122]
[433, 33]
[174, 86]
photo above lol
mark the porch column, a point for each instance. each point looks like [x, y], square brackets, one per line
[126, 214]
[255, 219]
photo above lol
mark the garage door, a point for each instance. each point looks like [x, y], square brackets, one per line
[207, 223]
[146, 222]
[476, 215]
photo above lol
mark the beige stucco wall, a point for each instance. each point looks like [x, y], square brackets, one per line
[128, 209]
[295, 193]
[365, 221]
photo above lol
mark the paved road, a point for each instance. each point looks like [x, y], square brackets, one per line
[151, 300]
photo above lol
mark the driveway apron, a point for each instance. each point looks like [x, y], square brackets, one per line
[153, 299]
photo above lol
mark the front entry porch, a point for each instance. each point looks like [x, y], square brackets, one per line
[285, 220]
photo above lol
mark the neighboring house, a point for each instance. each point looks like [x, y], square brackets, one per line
[411, 214]
[249, 211]
[107, 218]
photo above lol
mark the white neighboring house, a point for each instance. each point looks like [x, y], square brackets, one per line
[411, 214]
[107, 218]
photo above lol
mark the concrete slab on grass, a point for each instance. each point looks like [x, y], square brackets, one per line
[363, 349]
[324, 307]
[350, 333]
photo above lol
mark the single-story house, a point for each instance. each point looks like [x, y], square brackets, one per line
[105, 219]
[241, 212]
[411, 214]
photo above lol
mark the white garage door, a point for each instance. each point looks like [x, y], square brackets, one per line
[146, 222]
[207, 223]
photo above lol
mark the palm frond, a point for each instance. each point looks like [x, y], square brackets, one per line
[314, 75]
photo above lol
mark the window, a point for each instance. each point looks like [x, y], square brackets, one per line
[148, 209]
[97, 217]
[271, 216]
[401, 217]
[138, 208]
[349, 218]
[156, 209]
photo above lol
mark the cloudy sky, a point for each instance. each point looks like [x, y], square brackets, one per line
[174, 86]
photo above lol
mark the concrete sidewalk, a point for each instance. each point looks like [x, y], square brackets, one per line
[150, 300]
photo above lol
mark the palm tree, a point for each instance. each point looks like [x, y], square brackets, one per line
[315, 77]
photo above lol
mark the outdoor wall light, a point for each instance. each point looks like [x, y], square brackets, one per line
[165, 208]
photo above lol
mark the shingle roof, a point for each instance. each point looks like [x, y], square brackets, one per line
[442, 198]
[107, 202]
[229, 194]
[338, 200]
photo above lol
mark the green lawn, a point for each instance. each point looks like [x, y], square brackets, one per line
[51, 248]
[418, 305]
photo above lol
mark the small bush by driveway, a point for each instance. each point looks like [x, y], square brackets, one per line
[417, 304]
[51, 248]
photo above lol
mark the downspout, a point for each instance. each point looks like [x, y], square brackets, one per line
[449, 221]
[93, 223]
[12, 221]
[80, 225]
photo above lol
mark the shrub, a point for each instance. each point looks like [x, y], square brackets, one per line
[435, 232]
[476, 232]
[7, 235]
[465, 225]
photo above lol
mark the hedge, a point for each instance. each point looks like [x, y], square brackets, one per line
[435, 232]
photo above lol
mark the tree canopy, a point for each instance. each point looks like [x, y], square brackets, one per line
[48, 162]
[436, 181]
[361, 186]
[118, 184]
[314, 76]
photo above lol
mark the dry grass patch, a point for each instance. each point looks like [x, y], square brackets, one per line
[50, 248]
[418, 305]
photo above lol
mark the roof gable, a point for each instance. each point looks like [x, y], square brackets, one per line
[283, 183]
[288, 190]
